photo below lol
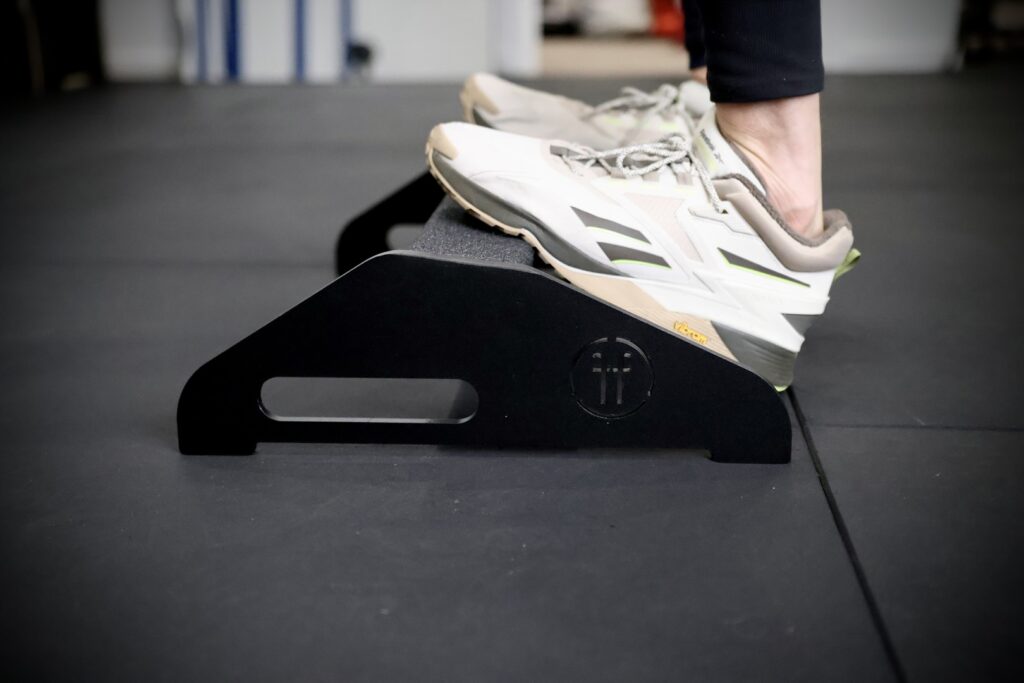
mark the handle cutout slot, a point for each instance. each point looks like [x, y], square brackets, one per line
[369, 399]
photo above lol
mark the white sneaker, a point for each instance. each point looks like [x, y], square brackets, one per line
[633, 118]
[647, 228]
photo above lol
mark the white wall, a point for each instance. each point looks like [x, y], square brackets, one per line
[423, 39]
[413, 40]
[139, 40]
[872, 36]
[516, 27]
[445, 40]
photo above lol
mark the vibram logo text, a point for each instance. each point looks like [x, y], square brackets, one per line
[685, 330]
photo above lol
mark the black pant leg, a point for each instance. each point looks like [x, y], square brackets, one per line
[762, 49]
[694, 33]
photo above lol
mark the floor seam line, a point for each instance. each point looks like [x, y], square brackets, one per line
[936, 428]
[844, 535]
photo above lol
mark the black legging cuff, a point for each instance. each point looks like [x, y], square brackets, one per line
[693, 34]
[759, 49]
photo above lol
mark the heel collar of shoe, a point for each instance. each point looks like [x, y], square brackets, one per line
[794, 251]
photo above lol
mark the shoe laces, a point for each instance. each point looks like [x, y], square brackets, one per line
[672, 152]
[665, 100]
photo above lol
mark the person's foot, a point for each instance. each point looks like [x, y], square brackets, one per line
[646, 228]
[780, 140]
[634, 117]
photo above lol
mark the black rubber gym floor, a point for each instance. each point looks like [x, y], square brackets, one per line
[146, 229]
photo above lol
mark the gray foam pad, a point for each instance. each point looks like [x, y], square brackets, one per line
[453, 232]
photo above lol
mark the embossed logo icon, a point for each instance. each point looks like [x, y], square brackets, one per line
[611, 377]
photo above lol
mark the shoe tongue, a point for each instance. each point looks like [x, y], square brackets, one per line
[695, 97]
[719, 157]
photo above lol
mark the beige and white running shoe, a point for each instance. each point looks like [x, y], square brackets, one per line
[648, 228]
[633, 118]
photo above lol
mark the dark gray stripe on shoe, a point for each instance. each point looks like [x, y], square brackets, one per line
[592, 221]
[771, 362]
[616, 253]
[500, 210]
[740, 262]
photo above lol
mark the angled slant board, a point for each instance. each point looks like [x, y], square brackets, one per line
[552, 366]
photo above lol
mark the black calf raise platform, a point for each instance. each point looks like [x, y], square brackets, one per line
[551, 366]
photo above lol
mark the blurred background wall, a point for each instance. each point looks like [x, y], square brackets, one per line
[53, 45]
[879, 36]
[271, 41]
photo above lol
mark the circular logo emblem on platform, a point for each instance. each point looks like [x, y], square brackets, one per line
[611, 377]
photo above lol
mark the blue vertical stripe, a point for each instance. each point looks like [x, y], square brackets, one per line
[232, 56]
[201, 58]
[300, 40]
[346, 34]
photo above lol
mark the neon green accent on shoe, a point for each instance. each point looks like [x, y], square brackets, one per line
[740, 263]
[767, 275]
[848, 264]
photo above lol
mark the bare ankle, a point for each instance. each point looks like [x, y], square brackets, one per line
[781, 140]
